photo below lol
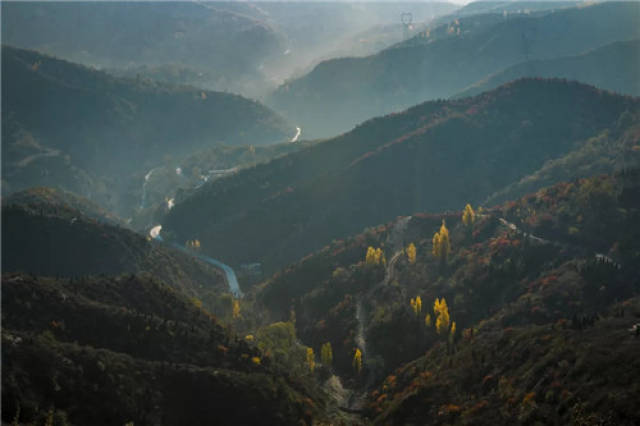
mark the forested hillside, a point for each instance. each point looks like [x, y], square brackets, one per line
[133, 350]
[432, 157]
[90, 131]
[536, 296]
[46, 235]
[432, 219]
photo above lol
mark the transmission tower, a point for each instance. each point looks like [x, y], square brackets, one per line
[406, 18]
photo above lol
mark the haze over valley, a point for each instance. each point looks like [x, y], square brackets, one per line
[345, 213]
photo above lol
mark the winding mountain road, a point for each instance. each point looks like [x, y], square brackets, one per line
[143, 201]
[298, 132]
[599, 256]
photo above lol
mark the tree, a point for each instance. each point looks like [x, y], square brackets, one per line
[468, 216]
[196, 302]
[236, 309]
[411, 253]
[441, 311]
[357, 361]
[453, 329]
[427, 320]
[416, 305]
[441, 243]
[380, 257]
[311, 359]
[375, 256]
[326, 354]
[370, 258]
[193, 244]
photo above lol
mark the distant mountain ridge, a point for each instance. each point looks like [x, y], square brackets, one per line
[614, 67]
[200, 35]
[90, 130]
[339, 93]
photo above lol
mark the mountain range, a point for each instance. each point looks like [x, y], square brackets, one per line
[433, 157]
[109, 128]
[440, 228]
[444, 60]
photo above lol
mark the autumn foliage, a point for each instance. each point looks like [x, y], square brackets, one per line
[193, 244]
[236, 309]
[311, 359]
[326, 354]
[416, 305]
[441, 311]
[468, 216]
[411, 253]
[441, 243]
[375, 256]
[357, 361]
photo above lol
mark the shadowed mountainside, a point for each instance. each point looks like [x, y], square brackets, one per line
[45, 234]
[432, 157]
[115, 350]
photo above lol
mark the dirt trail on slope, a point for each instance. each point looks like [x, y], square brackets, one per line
[395, 242]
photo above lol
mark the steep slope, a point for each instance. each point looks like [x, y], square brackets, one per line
[107, 351]
[612, 67]
[153, 192]
[317, 31]
[505, 7]
[243, 47]
[43, 233]
[617, 148]
[88, 123]
[228, 45]
[433, 157]
[564, 255]
[64, 203]
[551, 374]
[560, 351]
[339, 93]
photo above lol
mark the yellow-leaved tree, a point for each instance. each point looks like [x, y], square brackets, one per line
[427, 320]
[370, 258]
[441, 243]
[468, 216]
[441, 311]
[311, 359]
[375, 256]
[416, 305]
[326, 354]
[357, 361]
[193, 244]
[411, 253]
[236, 309]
